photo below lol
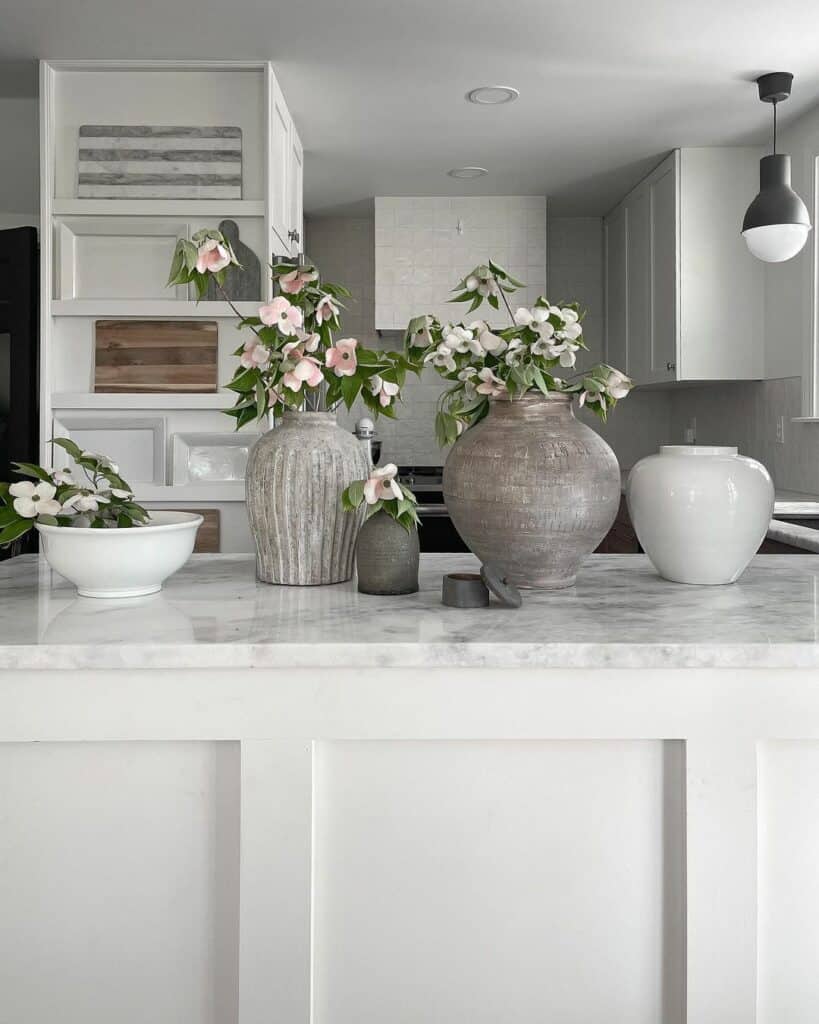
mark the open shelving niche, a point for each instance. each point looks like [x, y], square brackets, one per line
[156, 92]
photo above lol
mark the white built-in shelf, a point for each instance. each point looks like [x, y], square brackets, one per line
[147, 493]
[162, 400]
[194, 209]
[141, 308]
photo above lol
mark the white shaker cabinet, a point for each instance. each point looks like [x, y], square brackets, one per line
[684, 298]
[286, 176]
[614, 235]
[295, 192]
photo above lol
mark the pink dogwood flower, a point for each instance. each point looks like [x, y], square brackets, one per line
[296, 280]
[341, 357]
[383, 390]
[282, 314]
[255, 356]
[309, 342]
[490, 384]
[382, 485]
[326, 309]
[306, 369]
[212, 256]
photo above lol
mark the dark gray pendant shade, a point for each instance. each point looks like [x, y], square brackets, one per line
[777, 203]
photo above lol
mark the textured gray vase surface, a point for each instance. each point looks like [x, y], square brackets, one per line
[387, 557]
[532, 490]
[295, 476]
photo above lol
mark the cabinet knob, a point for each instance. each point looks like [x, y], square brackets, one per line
[293, 235]
[671, 366]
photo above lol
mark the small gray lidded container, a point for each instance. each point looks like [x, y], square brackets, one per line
[387, 557]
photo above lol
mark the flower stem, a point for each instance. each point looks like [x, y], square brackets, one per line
[236, 312]
[505, 301]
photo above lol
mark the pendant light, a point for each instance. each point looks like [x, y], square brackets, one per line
[777, 223]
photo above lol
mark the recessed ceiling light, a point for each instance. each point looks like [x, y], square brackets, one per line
[492, 95]
[467, 172]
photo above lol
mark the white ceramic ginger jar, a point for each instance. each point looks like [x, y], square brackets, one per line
[700, 512]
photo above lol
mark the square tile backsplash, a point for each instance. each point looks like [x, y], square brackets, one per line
[425, 244]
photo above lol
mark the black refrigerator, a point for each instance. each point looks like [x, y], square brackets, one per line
[19, 290]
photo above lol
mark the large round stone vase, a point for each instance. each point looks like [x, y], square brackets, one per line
[295, 475]
[532, 490]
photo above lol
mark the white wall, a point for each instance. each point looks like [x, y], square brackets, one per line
[19, 162]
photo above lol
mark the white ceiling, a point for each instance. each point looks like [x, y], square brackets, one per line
[377, 86]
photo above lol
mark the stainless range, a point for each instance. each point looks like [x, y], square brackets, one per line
[437, 532]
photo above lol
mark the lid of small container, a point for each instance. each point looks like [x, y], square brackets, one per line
[507, 593]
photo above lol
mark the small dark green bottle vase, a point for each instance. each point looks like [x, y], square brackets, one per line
[387, 557]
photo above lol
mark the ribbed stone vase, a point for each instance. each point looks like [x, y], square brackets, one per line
[532, 490]
[295, 476]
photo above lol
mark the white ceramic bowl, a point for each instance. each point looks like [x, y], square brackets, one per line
[121, 563]
[700, 511]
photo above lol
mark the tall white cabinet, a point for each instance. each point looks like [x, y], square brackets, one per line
[286, 174]
[684, 298]
[108, 258]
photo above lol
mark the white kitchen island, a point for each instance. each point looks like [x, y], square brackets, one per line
[236, 802]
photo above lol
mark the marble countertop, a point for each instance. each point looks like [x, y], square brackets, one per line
[804, 537]
[793, 503]
[213, 614]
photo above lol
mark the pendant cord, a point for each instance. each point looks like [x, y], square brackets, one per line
[774, 126]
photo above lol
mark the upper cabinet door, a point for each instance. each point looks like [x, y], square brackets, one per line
[614, 229]
[664, 192]
[295, 198]
[638, 282]
[279, 169]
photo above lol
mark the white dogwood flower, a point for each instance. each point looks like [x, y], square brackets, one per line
[515, 352]
[85, 502]
[618, 384]
[31, 500]
[441, 357]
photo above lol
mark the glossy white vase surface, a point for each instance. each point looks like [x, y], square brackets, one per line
[700, 512]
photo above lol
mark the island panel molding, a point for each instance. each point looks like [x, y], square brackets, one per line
[134, 356]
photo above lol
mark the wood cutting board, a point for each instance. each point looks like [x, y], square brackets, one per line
[208, 537]
[154, 356]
